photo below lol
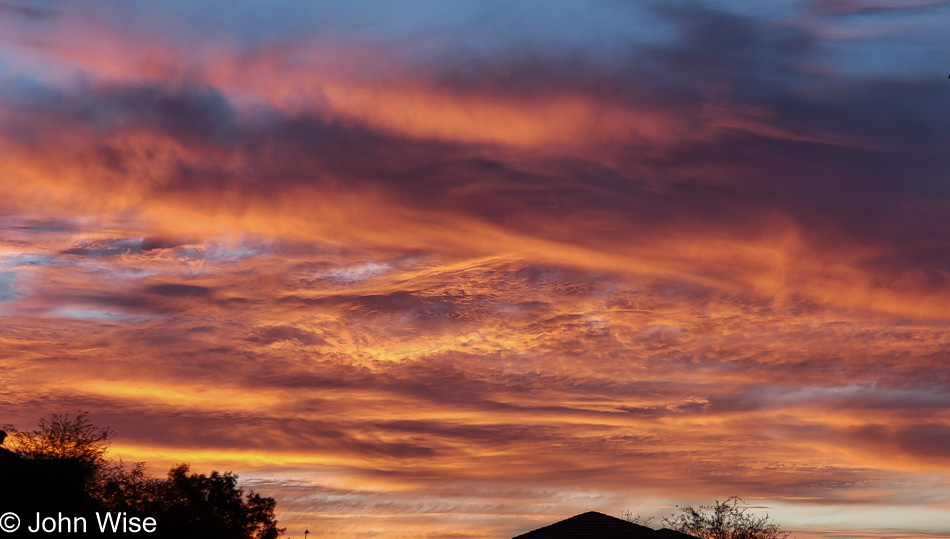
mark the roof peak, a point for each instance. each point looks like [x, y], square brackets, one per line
[594, 524]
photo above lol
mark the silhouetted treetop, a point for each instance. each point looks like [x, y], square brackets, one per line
[61, 467]
[61, 437]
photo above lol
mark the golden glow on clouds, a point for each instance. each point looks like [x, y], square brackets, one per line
[496, 372]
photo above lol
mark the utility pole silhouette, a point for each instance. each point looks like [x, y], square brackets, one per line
[306, 533]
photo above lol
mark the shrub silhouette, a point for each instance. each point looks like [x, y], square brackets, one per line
[724, 520]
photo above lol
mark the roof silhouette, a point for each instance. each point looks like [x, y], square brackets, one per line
[594, 525]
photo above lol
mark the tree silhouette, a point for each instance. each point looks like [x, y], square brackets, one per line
[118, 488]
[724, 520]
[63, 438]
[62, 467]
[196, 505]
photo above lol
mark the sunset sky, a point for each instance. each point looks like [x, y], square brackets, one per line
[462, 269]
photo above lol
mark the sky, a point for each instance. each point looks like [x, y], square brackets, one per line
[462, 269]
